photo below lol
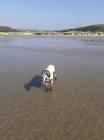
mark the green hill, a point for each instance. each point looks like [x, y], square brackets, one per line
[91, 28]
[6, 29]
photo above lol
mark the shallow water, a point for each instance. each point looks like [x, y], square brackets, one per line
[75, 107]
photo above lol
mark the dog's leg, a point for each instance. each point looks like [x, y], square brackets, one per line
[54, 75]
[51, 84]
[46, 86]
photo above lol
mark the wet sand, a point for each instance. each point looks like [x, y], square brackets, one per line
[74, 110]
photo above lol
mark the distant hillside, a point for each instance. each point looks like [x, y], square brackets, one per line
[91, 28]
[9, 29]
[6, 29]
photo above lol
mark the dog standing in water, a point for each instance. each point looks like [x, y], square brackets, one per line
[48, 76]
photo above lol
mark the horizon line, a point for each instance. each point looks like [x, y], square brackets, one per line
[41, 29]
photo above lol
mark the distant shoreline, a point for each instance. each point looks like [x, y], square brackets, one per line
[92, 30]
[72, 33]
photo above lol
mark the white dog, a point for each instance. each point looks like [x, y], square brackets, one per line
[48, 76]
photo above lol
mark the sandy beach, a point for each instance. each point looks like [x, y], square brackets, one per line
[74, 110]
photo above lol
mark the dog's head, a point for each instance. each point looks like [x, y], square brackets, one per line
[46, 72]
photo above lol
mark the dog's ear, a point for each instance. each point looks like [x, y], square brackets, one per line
[42, 72]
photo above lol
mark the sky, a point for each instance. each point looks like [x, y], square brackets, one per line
[51, 14]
